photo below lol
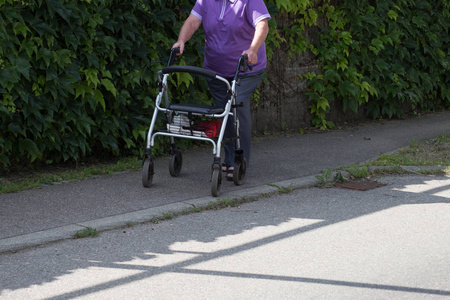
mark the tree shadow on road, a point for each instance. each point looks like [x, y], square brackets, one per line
[191, 245]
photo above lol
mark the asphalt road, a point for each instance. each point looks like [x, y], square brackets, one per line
[392, 242]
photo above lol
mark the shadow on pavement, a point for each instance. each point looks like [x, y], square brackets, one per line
[149, 255]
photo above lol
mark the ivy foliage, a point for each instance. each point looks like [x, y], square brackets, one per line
[384, 56]
[78, 77]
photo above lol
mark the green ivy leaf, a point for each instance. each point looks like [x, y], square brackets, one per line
[43, 29]
[29, 47]
[107, 73]
[16, 129]
[92, 76]
[346, 37]
[4, 160]
[23, 66]
[184, 78]
[323, 104]
[419, 21]
[27, 145]
[332, 75]
[99, 97]
[109, 86]
[45, 54]
[63, 57]
[392, 15]
[20, 28]
[377, 45]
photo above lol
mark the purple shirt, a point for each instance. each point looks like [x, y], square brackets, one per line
[229, 29]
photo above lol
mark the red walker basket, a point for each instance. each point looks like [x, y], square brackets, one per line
[210, 128]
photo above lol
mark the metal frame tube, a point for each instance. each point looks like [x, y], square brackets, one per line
[235, 116]
[163, 94]
[199, 138]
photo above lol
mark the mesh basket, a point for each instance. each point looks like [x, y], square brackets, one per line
[209, 129]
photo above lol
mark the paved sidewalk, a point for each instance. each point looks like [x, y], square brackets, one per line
[56, 212]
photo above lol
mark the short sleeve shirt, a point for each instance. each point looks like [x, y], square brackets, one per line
[229, 29]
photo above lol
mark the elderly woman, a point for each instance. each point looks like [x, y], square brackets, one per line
[232, 28]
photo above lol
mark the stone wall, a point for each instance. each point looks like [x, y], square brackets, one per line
[282, 102]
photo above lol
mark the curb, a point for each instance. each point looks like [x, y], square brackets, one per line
[146, 215]
[56, 234]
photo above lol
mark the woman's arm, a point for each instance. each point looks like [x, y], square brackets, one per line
[187, 30]
[261, 31]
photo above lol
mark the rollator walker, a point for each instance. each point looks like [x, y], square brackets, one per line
[180, 124]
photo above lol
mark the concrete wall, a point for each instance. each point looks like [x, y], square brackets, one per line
[282, 102]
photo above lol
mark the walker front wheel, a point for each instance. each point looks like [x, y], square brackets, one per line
[175, 164]
[147, 172]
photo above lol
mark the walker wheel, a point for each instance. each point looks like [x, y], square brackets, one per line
[216, 180]
[175, 163]
[240, 168]
[147, 172]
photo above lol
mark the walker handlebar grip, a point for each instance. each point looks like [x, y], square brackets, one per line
[173, 56]
[244, 63]
[189, 69]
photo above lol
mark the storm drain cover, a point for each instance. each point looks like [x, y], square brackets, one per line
[359, 185]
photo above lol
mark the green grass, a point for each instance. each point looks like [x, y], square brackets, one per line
[429, 152]
[283, 189]
[86, 232]
[23, 179]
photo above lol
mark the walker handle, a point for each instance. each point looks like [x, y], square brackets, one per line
[242, 66]
[244, 63]
[173, 56]
[189, 69]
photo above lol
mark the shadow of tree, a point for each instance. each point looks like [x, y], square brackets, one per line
[185, 244]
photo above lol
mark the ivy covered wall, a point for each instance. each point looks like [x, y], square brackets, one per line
[77, 78]
[359, 57]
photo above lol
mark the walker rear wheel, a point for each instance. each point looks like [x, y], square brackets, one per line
[240, 168]
[147, 172]
[216, 180]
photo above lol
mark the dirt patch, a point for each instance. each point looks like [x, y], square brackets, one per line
[435, 151]
[359, 184]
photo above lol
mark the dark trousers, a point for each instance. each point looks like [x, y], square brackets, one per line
[218, 90]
